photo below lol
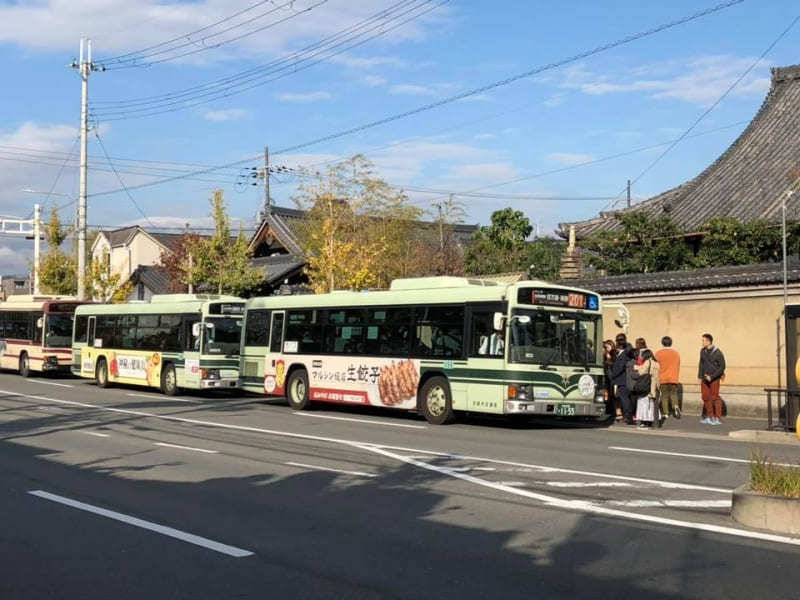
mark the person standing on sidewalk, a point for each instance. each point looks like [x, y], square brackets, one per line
[619, 376]
[670, 362]
[710, 372]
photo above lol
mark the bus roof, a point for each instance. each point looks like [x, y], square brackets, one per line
[421, 290]
[29, 302]
[159, 304]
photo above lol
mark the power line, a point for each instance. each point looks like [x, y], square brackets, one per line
[285, 68]
[514, 78]
[204, 48]
[58, 175]
[465, 94]
[292, 58]
[714, 105]
[119, 178]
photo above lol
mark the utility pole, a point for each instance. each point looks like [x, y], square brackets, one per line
[85, 67]
[629, 193]
[266, 179]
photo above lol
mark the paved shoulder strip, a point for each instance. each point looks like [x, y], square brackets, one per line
[163, 530]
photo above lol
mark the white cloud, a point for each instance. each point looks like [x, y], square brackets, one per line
[119, 26]
[15, 262]
[373, 80]
[303, 98]
[229, 114]
[570, 158]
[700, 81]
[555, 100]
[411, 89]
[485, 136]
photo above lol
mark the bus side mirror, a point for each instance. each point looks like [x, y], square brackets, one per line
[195, 329]
[40, 322]
[498, 320]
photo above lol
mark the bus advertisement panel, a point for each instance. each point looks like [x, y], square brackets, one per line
[436, 345]
[36, 334]
[171, 342]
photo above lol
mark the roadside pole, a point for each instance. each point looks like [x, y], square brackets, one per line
[37, 232]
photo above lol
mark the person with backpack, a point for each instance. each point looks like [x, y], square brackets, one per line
[710, 371]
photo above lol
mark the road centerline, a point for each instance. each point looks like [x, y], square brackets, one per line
[319, 468]
[189, 538]
[190, 448]
[66, 385]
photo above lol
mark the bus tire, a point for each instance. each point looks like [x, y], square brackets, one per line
[24, 365]
[169, 380]
[101, 373]
[297, 390]
[436, 401]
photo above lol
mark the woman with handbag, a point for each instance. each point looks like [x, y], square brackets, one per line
[646, 388]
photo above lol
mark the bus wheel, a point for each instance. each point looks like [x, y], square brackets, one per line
[24, 365]
[436, 401]
[297, 390]
[101, 373]
[169, 381]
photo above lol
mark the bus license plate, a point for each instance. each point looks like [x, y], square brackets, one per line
[565, 410]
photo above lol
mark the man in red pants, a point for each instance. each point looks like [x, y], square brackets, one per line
[710, 371]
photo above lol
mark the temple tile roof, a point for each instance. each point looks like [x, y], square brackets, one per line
[746, 182]
[763, 274]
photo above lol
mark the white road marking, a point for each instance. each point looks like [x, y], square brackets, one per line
[48, 383]
[684, 455]
[589, 507]
[366, 421]
[579, 505]
[95, 433]
[170, 398]
[359, 444]
[468, 469]
[513, 483]
[318, 468]
[585, 484]
[165, 445]
[168, 531]
[671, 503]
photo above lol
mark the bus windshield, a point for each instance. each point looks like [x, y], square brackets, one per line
[551, 337]
[224, 337]
[58, 331]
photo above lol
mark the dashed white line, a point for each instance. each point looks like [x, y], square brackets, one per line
[163, 530]
[365, 421]
[318, 468]
[154, 397]
[94, 433]
[586, 484]
[685, 455]
[49, 383]
[671, 503]
[165, 445]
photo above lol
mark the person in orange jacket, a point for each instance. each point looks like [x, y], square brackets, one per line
[670, 362]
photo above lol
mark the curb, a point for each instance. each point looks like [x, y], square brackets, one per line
[773, 513]
[765, 437]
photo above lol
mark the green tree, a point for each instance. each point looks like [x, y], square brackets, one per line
[103, 284]
[221, 261]
[728, 241]
[644, 245]
[57, 269]
[543, 258]
[180, 263]
[499, 247]
[358, 230]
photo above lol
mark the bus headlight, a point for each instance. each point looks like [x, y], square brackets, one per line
[209, 373]
[519, 392]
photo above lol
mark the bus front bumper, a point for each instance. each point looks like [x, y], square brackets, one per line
[213, 384]
[562, 408]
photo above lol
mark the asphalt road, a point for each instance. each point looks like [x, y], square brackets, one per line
[124, 493]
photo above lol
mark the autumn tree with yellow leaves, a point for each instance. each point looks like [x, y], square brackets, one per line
[359, 231]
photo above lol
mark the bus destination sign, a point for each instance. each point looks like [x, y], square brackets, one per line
[555, 297]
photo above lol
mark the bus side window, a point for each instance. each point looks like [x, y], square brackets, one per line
[276, 342]
[190, 341]
[80, 329]
[256, 330]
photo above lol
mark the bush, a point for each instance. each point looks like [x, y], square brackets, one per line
[775, 480]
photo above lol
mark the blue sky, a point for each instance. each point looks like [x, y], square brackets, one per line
[637, 95]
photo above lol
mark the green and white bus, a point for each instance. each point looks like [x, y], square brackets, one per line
[173, 341]
[438, 345]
